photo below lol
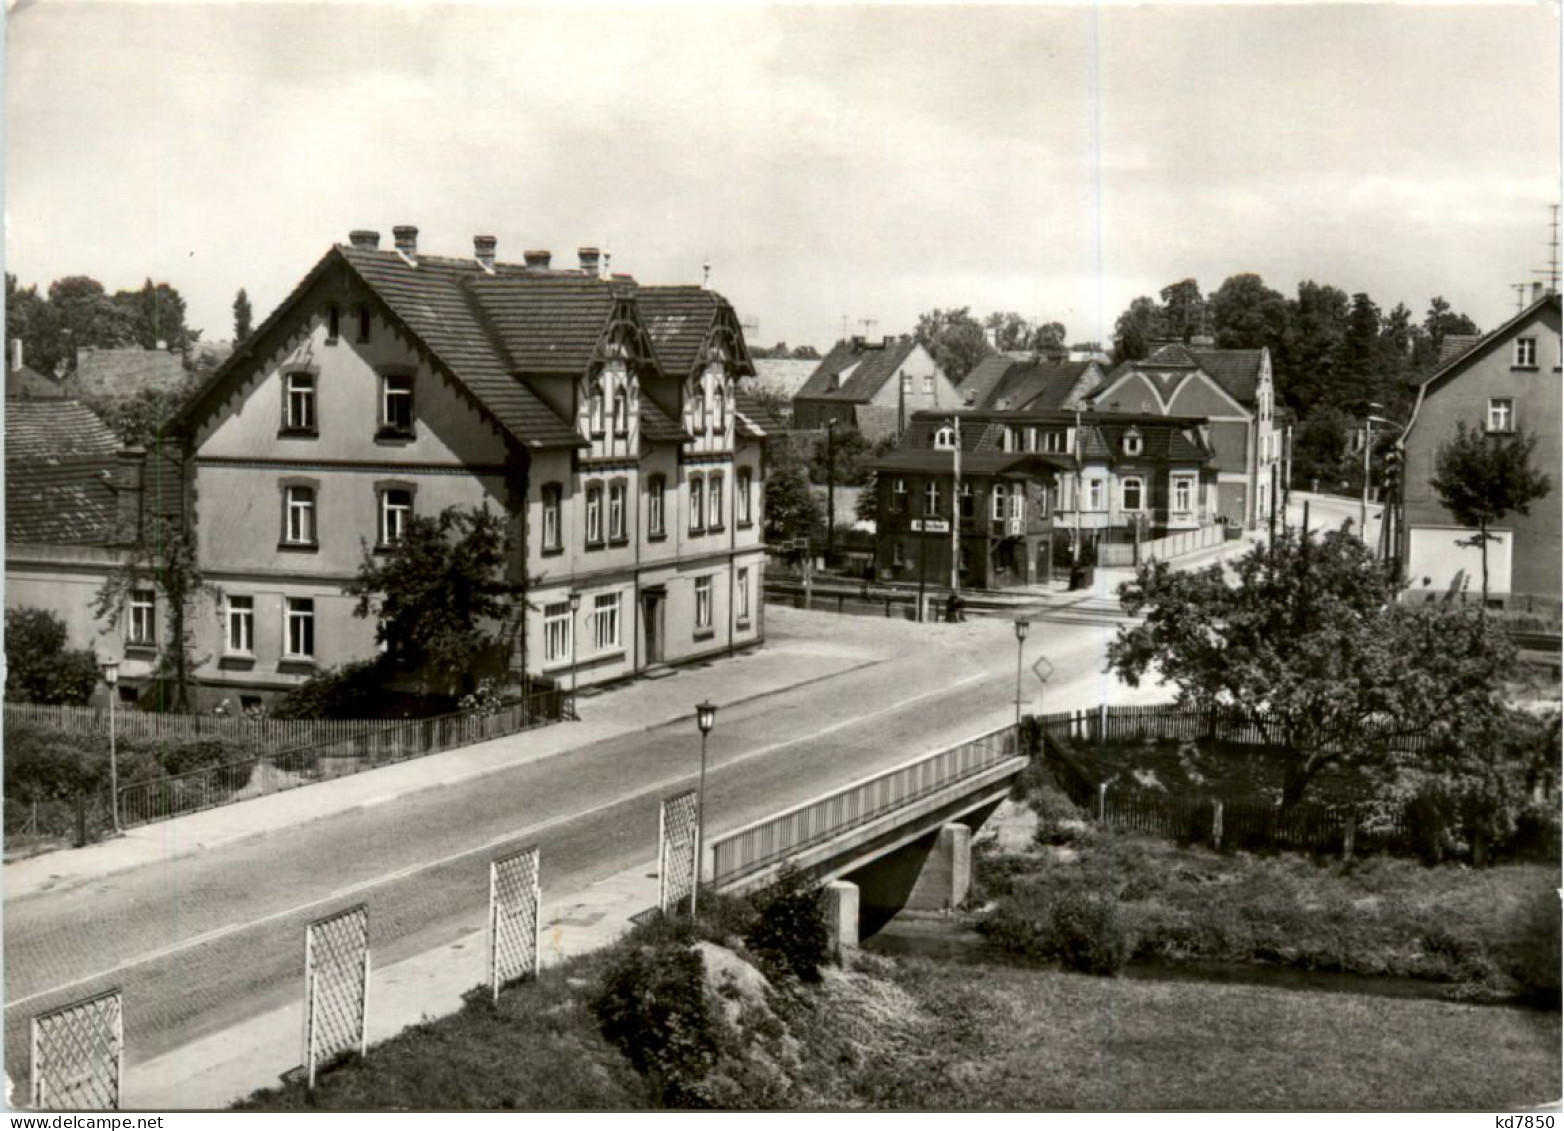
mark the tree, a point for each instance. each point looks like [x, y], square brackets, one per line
[1310, 647]
[1136, 329]
[805, 353]
[1320, 447]
[1246, 314]
[1311, 346]
[1183, 309]
[39, 668]
[848, 451]
[439, 594]
[792, 508]
[164, 559]
[1481, 478]
[955, 340]
[155, 316]
[138, 419]
[1442, 321]
[242, 316]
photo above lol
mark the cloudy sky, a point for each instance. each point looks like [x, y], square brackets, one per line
[857, 162]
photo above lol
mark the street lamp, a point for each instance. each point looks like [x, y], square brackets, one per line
[575, 607]
[705, 718]
[1021, 627]
[111, 677]
[1368, 449]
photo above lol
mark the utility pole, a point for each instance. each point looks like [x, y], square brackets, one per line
[830, 496]
[1368, 448]
[955, 510]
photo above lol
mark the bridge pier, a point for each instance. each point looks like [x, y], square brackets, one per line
[932, 873]
[841, 916]
[946, 875]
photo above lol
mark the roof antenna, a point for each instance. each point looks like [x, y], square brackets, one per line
[706, 273]
[1520, 296]
[867, 324]
[608, 261]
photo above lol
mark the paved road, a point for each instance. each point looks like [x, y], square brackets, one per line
[200, 942]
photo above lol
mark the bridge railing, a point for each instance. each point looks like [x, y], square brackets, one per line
[777, 837]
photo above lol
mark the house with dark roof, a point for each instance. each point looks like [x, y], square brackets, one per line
[1030, 383]
[599, 417]
[1232, 390]
[874, 386]
[1033, 491]
[1503, 383]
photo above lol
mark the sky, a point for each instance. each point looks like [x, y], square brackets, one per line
[836, 166]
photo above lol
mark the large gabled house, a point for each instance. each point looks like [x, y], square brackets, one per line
[1232, 390]
[598, 417]
[1502, 383]
[874, 386]
[1030, 383]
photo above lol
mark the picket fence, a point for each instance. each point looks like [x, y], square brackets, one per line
[264, 735]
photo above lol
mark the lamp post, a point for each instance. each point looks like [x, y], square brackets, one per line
[111, 677]
[1368, 450]
[575, 607]
[1021, 627]
[705, 718]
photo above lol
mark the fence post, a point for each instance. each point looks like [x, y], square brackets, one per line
[1349, 837]
[1216, 824]
[1102, 803]
[1102, 723]
[81, 820]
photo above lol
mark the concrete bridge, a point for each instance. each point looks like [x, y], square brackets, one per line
[900, 839]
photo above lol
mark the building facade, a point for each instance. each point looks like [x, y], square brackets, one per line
[597, 417]
[874, 386]
[1503, 383]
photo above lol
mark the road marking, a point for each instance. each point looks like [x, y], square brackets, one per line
[532, 831]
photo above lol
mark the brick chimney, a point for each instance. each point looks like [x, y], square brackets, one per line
[483, 249]
[589, 260]
[365, 239]
[406, 242]
[1536, 291]
[538, 260]
[129, 491]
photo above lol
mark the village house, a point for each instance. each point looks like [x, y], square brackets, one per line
[1033, 487]
[1504, 383]
[873, 387]
[598, 417]
[1010, 382]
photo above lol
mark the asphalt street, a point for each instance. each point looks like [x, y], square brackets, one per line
[199, 942]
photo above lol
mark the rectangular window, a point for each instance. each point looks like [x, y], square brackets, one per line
[1526, 352]
[363, 323]
[241, 625]
[741, 500]
[143, 617]
[1094, 494]
[931, 498]
[299, 632]
[741, 596]
[1018, 501]
[1501, 415]
[299, 519]
[967, 502]
[396, 403]
[899, 496]
[616, 512]
[605, 621]
[656, 493]
[714, 503]
[928, 384]
[594, 515]
[396, 505]
[702, 603]
[552, 538]
[299, 405]
[1183, 494]
[556, 632]
[1001, 495]
[697, 510]
[1132, 493]
[333, 324]
[898, 554]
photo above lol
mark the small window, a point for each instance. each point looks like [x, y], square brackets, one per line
[396, 507]
[741, 596]
[1133, 443]
[719, 409]
[945, 439]
[552, 497]
[621, 413]
[299, 632]
[299, 516]
[931, 498]
[741, 499]
[605, 621]
[616, 512]
[1134, 487]
[967, 499]
[898, 554]
[396, 403]
[1183, 494]
[143, 617]
[714, 503]
[594, 515]
[899, 496]
[1094, 494]
[697, 509]
[557, 634]
[656, 495]
[363, 323]
[702, 603]
[697, 403]
[1501, 415]
[298, 410]
[333, 324]
[928, 384]
[241, 626]
[595, 409]
[1526, 353]
[1001, 500]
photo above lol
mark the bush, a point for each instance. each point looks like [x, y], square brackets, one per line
[348, 691]
[1090, 933]
[39, 668]
[652, 1007]
[789, 933]
[1535, 953]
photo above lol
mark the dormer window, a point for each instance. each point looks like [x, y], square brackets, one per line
[595, 409]
[1133, 445]
[836, 382]
[621, 413]
[945, 439]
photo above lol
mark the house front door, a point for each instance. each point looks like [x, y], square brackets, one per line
[652, 618]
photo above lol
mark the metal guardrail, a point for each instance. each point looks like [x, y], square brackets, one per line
[777, 837]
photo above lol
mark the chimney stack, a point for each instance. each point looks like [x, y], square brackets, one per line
[1536, 291]
[365, 239]
[483, 249]
[406, 241]
[589, 260]
[537, 260]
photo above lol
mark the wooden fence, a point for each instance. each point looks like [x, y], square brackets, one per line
[264, 735]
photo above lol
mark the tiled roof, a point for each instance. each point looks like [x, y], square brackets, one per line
[984, 376]
[657, 424]
[125, 372]
[871, 364]
[27, 383]
[1237, 371]
[66, 501]
[1453, 346]
[755, 418]
[678, 320]
[786, 375]
[53, 429]
[1036, 386]
[1162, 438]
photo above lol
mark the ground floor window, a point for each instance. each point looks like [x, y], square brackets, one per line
[299, 634]
[605, 621]
[143, 617]
[241, 625]
[741, 595]
[702, 602]
[1183, 495]
[556, 632]
[1133, 489]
